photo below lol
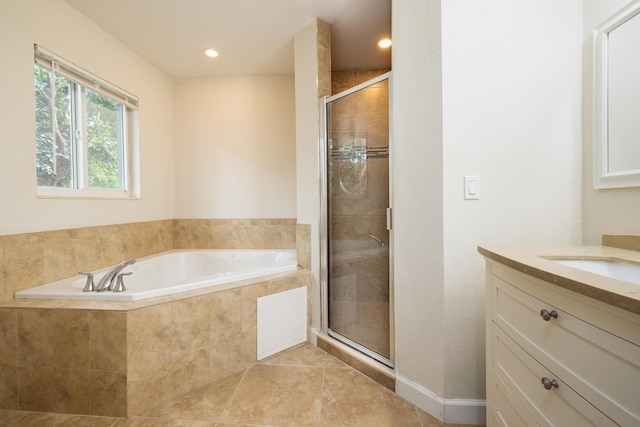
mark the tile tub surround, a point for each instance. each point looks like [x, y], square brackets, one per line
[303, 386]
[120, 359]
[32, 259]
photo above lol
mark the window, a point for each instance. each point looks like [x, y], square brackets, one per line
[84, 131]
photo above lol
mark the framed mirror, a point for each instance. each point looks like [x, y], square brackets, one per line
[617, 100]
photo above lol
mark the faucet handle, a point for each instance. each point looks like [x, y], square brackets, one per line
[120, 287]
[89, 286]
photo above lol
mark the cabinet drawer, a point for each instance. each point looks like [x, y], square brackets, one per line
[508, 412]
[600, 366]
[522, 375]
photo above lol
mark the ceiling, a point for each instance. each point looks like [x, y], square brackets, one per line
[251, 36]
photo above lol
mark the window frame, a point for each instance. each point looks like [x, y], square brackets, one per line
[81, 81]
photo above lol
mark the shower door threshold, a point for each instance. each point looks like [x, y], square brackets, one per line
[362, 349]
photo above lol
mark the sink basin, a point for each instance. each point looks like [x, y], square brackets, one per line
[614, 269]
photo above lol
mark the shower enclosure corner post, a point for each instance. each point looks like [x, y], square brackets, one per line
[324, 238]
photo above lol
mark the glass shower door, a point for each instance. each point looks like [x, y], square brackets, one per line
[357, 227]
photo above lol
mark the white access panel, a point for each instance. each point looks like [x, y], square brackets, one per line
[282, 321]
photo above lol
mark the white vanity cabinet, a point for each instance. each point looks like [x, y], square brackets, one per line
[556, 357]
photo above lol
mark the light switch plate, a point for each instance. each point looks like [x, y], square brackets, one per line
[471, 187]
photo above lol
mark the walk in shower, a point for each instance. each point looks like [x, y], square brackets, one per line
[356, 219]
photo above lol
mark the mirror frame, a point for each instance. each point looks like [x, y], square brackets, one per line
[602, 178]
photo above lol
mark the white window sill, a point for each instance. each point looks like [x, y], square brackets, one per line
[85, 193]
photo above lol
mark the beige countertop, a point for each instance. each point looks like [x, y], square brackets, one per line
[536, 261]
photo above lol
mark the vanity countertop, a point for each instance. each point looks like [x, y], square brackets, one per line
[535, 261]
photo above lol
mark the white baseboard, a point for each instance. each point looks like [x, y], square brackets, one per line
[449, 411]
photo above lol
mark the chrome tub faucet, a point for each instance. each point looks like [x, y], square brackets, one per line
[107, 283]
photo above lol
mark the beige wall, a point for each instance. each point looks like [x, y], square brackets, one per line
[605, 211]
[61, 29]
[234, 147]
[491, 89]
[309, 87]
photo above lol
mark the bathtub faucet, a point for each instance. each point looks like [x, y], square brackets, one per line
[376, 238]
[108, 280]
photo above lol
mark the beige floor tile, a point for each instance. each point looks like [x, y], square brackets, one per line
[204, 404]
[334, 362]
[351, 399]
[8, 416]
[283, 396]
[242, 425]
[63, 420]
[303, 355]
[161, 422]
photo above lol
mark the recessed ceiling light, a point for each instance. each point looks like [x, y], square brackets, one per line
[211, 53]
[384, 43]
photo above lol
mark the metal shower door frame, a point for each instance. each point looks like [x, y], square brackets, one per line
[324, 223]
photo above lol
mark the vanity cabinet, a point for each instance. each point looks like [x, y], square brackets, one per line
[556, 357]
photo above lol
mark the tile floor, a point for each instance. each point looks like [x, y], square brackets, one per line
[300, 387]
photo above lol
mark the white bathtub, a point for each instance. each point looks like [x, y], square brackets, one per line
[174, 271]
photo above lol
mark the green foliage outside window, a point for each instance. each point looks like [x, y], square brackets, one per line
[100, 121]
[53, 137]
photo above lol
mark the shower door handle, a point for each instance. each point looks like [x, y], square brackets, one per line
[389, 219]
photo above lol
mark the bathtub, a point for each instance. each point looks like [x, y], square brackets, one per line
[174, 271]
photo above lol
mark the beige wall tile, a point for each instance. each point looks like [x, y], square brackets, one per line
[225, 358]
[108, 340]
[2, 287]
[63, 420]
[190, 370]
[225, 331]
[303, 245]
[249, 295]
[324, 58]
[182, 233]
[71, 391]
[8, 337]
[225, 315]
[248, 348]
[190, 323]
[149, 338]
[32, 259]
[88, 254]
[8, 387]
[114, 243]
[35, 388]
[108, 393]
[35, 337]
[146, 389]
[23, 266]
[286, 284]
[59, 255]
[71, 339]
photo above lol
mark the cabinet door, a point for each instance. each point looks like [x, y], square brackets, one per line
[558, 405]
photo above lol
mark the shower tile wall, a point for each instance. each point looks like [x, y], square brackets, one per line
[31, 259]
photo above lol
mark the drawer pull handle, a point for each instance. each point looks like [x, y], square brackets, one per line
[546, 315]
[547, 383]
